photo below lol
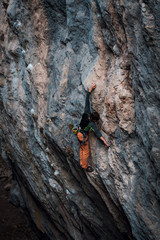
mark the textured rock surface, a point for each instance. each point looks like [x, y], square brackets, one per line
[50, 52]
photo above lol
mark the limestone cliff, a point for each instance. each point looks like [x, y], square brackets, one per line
[50, 53]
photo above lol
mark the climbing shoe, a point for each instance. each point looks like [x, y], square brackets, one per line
[89, 169]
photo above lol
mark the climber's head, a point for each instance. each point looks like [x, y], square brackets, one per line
[94, 116]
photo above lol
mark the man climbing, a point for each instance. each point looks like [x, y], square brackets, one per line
[88, 122]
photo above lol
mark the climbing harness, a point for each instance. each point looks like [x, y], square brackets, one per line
[77, 129]
[84, 136]
[81, 128]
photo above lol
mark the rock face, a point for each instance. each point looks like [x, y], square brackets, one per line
[50, 53]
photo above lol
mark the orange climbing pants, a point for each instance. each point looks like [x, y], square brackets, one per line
[84, 151]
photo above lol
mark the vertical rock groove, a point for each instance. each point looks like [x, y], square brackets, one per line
[50, 53]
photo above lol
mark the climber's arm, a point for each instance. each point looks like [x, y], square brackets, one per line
[98, 133]
[87, 102]
[102, 138]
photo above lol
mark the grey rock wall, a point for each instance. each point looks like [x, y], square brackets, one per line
[50, 53]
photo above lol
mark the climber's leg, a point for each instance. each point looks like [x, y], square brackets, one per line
[84, 151]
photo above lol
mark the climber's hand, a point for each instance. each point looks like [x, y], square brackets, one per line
[107, 145]
[105, 142]
[93, 86]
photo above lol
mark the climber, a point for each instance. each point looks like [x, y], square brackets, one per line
[88, 122]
